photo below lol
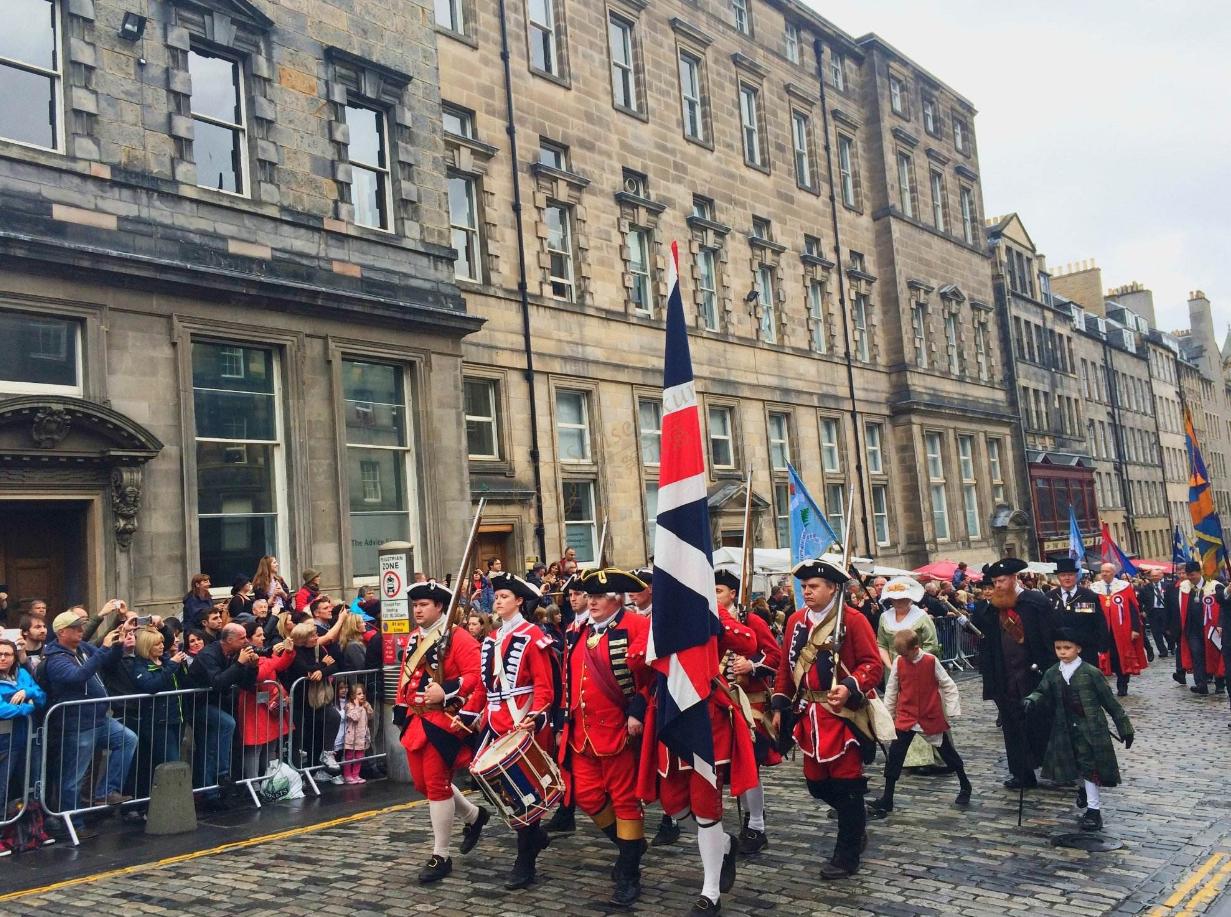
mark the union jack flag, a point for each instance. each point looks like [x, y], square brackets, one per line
[683, 644]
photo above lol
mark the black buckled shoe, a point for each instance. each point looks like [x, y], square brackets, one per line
[668, 832]
[834, 871]
[726, 878]
[471, 832]
[706, 907]
[522, 873]
[752, 841]
[436, 869]
[1091, 821]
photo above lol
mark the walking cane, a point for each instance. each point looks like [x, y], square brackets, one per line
[1021, 803]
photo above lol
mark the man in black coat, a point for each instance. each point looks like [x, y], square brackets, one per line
[224, 666]
[1152, 598]
[1076, 609]
[1018, 627]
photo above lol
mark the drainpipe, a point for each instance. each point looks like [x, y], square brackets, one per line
[856, 425]
[527, 341]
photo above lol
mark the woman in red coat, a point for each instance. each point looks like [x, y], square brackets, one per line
[262, 714]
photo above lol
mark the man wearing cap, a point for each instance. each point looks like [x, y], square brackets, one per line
[1195, 603]
[521, 682]
[438, 703]
[607, 683]
[1077, 609]
[683, 792]
[1016, 650]
[71, 669]
[751, 679]
[824, 699]
[1123, 653]
[564, 820]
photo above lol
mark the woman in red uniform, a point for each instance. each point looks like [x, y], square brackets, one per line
[438, 704]
[521, 682]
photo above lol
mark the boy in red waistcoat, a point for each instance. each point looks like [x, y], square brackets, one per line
[922, 698]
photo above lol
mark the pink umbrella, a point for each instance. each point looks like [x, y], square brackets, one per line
[937, 569]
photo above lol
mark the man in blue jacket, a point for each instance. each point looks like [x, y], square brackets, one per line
[71, 673]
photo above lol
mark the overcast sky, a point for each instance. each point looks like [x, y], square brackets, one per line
[1106, 124]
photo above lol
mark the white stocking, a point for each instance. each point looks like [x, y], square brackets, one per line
[754, 804]
[466, 810]
[441, 813]
[714, 844]
[1092, 800]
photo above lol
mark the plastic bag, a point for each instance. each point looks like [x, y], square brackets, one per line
[281, 782]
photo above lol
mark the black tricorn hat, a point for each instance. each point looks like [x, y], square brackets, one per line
[573, 584]
[429, 590]
[1067, 565]
[600, 582]
[516, 585]
[726, 578]
[816, 567]
[1007, 566]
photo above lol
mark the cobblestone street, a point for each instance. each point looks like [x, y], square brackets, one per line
[927, 858]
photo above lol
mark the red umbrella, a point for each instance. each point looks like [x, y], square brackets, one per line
[937, 569]
[1160, 565]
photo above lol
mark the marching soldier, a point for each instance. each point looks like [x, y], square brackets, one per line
[1124, 653]
[522, 684]
[683, 792]
[833, 757]
[1078, 609]
[438, 703]
[751, 678]
[564, 821]
[608, 683]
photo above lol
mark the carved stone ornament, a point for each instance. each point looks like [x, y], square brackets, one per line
[125, 503]
[50, 427]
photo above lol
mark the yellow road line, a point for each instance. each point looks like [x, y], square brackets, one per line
[1183, 890]
[1208, 891]
[223, 848]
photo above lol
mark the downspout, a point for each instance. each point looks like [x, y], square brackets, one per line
[1121, 452]
[527, 341]
[856, 426]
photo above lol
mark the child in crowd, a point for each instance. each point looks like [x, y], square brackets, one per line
[341, 699]
[1079, 748]
[358, 733]
[922, 698]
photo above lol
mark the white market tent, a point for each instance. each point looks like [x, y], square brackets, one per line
[772, 563]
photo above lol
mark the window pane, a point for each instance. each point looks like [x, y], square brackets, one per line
[367, 143]
[233, 392]
[41, 351]
[26, 102]
[235, 478]
[375, 404]
[569, 407]
[650, 421]
[368, 196]
[216, 151]
[29, 33]
[229, 544]
[579, 531]
[368, 531]
[376, 480]
[215, 87]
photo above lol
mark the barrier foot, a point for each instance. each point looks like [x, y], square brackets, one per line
[72, 830]
[307, 772]
[256, 800]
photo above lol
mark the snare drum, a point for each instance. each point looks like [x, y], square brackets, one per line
[518, 777]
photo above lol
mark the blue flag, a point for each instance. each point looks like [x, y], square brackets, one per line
[811, 535]
[1077, 547]
[1179, 553]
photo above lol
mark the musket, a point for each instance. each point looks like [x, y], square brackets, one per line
[602, 546]
[745, 564]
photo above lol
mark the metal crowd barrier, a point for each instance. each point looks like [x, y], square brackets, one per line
[320, 730]
[959, 648]
[12, 805]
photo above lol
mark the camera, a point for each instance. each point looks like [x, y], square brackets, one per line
[144, 620]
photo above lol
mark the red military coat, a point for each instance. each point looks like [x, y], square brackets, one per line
[607, 683]
[462, 686]
[530, 681]
[1118, 601]
[820, 733]
[758, 685]
[731, 746]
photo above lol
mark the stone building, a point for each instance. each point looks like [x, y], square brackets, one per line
[230, 323]
[1044, 382]
[825, 196]
[1209, 392]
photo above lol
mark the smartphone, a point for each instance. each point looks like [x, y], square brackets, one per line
[10, 633]
[144, 620]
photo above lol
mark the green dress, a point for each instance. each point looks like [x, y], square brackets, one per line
[920, 753]
[1080, 746]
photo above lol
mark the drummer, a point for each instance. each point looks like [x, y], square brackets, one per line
[608, 684]
[522, 684]
[437, 705]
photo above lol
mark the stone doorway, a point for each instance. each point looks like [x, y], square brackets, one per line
[46, 552]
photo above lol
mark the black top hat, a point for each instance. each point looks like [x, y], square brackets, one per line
[1067, 565]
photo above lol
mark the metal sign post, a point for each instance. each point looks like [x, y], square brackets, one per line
[395, 564]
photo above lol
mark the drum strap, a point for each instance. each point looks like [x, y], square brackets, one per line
[507, 689]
